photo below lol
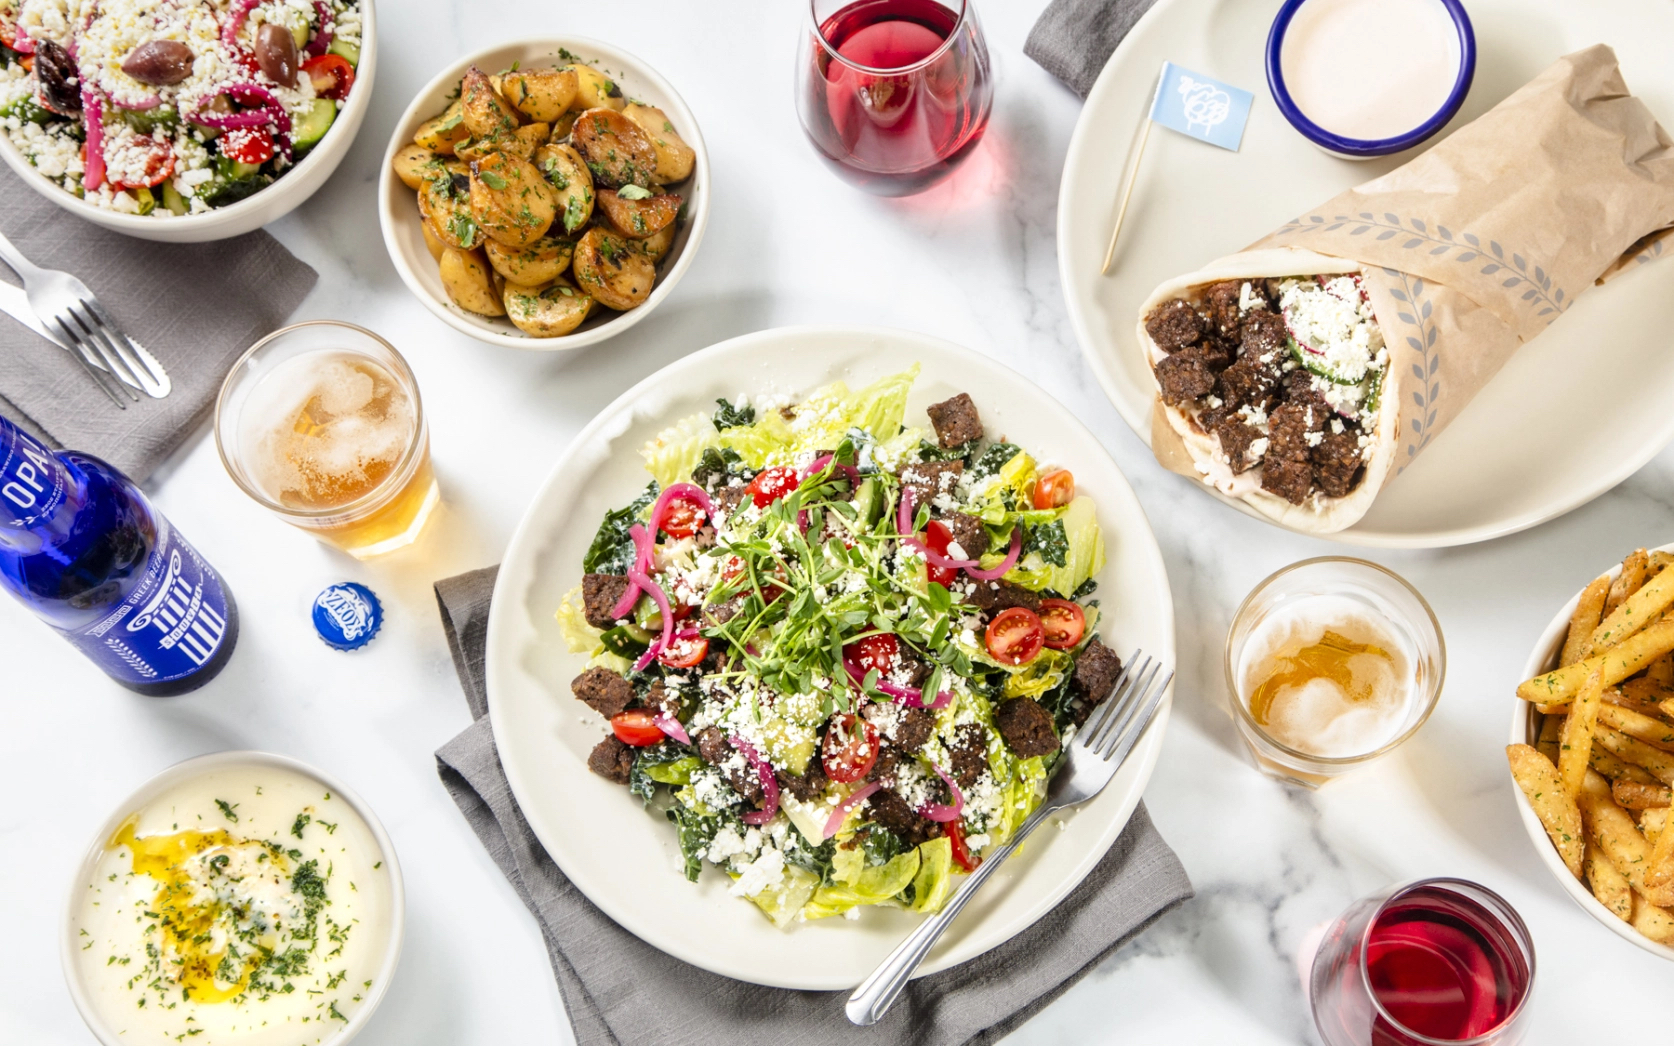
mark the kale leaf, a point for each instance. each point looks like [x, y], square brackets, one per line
[719, 465]
[731, 417]
[612, 550]
[696, 832]
[994, 458]
[815, 859]
[1049, 540]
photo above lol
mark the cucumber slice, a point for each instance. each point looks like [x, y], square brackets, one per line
[1314, 365]
[147, 201]
[172, 199]
[313, 124]
[346, 50]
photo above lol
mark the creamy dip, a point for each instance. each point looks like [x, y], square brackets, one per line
[246, 904]
[1370, 69]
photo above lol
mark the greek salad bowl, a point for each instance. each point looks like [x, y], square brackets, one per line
[216, 122]
[567, 274]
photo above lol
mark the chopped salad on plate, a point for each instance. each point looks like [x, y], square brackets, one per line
[842, 654]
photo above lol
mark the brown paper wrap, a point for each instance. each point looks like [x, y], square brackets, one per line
[1467, 252]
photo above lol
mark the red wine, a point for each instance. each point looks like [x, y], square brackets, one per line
[898, 94]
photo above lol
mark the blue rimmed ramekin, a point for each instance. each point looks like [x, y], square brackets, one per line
[1363, 148]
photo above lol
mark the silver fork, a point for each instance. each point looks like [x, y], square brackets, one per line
[74, 317]
[1094, 756]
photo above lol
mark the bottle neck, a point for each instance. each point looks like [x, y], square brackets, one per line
[34, 484]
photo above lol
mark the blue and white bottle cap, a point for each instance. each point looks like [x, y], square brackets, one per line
[347, 616]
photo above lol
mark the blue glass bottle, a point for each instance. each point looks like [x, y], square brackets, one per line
[81, 546]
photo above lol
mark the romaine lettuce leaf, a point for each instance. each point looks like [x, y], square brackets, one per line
[579, 636]
[781, 903]
[934, 882]
[1083, 558]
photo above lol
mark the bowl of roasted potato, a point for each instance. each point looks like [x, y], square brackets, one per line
[545, 195]
[1592, 749]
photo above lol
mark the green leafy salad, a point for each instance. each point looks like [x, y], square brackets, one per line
[842, 653]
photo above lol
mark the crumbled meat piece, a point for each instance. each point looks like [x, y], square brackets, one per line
[913, 727]
[1221, 302]
[1236, 436]
[1248, 382]
[909, 664]
[704, 539]
[599, 595]
[1337, 461]
[612, 760]
[661, 700]
[925, 479]
[1096, 672]
[1174, 324]
[1287, 477]
[1264, 334]
[1217, 354]
[727, 498]
[883, 771]
[724, 611]
[1299, 389]
[1289, 425]
[603, 691]
[968, 752]
[1027, 727]
[809, 784]
[956, 421]
[712, 745]
[1184, 377]
[1001, 595]
[969, 532]
[892, 812]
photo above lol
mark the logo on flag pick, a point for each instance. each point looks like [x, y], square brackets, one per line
[1201, 107]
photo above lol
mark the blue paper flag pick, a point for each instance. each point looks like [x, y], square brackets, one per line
[1203, 108]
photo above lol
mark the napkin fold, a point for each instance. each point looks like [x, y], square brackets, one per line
[1074, 38]
[195, 306]
[621, 991]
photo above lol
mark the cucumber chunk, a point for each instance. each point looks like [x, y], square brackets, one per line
[313, 124]
[345, 50]
[172, 199]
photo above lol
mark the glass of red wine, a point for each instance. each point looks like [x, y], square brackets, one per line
[894, 94]
[1424, 963]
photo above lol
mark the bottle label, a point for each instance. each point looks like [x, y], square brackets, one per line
[33, 483]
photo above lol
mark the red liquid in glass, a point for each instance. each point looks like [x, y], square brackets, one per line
[1442, 966]
[903, 123]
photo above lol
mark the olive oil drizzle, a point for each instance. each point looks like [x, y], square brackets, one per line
[1327, 659]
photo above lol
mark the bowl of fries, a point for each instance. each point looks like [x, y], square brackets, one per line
[1592, 749]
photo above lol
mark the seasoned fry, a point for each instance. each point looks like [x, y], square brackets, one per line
[1619, 662]
[1538, 779]
[1652, 822]
[1653, 732]
[1636, 611]
[1661, 672]
[1576, 742]
[1617, 769]
[1632, 577]
[1632, 795]
[1655, 761]
[1610, 886]
[1578, 645]
[1551, 729]
[1618, 838]
[1655, 923]
[1643, 695]
[1667, 706]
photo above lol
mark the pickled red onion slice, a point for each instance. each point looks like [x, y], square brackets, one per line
[841, 814]
[769, 783]
[944, 812]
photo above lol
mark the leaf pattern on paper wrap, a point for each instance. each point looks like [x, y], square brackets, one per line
[1651, 253]
[1414, 311]
[1436, 240]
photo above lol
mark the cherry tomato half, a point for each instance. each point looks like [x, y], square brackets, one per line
[937, 537]
[769, 589]
[684, 653]
[849, 749]
[1015, 636]
[962, 855]
[772, 484]
[158, 167]
[332, 75]
[251, 145]
[1063, 621]
[1055, 489]
[682, 517]
[635, 727]
[880, 652]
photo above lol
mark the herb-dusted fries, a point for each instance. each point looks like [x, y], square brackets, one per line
[1608, 885]
[1628, 658]
[1653, 922]
[1620, 840]
[1579, 644]
[1635, 612]
[1633, 795]
[1576, 740]
[1538, 779]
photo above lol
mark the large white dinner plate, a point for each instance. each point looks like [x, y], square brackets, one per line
[625, 858]
[1575, 412]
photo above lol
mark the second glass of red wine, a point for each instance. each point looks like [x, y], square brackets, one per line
[894, 94]
[1436, 962]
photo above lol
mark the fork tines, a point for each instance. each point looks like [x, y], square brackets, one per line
[84, 348]
[1131, 704]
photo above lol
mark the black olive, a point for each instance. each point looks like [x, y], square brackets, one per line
[276, 53]
[159, 62]
[56, 73]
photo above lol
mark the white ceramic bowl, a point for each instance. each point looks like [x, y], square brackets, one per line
[273, 202]
[398, 208]
[72, 940]
[1525, 728]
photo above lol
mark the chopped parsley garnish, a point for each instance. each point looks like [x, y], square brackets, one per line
[227, 810]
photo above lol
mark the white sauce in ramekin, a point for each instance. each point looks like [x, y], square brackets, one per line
[1370, 69]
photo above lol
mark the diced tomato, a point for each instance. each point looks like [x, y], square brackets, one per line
[635, 727]
[772, 484]
[682, 611]
[251, 145]
[158, 168]
[682, 517]
[684, 653]
[937, 537]
[850, 748]
[1063, 623]
[962, 855]
[332, 74]
[1055, 489]
[1015, 636]
[769, 589]
[879, 652]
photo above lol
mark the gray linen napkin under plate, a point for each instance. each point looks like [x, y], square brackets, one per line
[1074, 38]
[195, 306]
[621, 991]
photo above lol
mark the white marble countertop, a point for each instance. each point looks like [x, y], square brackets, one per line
[972, 261]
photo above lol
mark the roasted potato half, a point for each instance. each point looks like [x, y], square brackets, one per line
[608, 268]
[547, 312]
[445, 202]
[562, 126]
[521, 143]
[485, 113]
[540, 94]
[536, 265]
[432, 242]
[565, 170]
[657, 245]
[413, 164]
[510, 199]
[675, 158]
[594, 90]
[440, 133]
[616, 150]
[641, 216]
[465, 276]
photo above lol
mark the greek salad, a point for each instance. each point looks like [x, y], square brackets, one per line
[840, 653]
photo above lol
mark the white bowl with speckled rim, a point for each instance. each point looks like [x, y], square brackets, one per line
[1525, 729]
[71, 941]
[398, 205]
[272, 203]
[627, 860]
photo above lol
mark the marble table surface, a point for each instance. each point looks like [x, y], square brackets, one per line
[973, 261]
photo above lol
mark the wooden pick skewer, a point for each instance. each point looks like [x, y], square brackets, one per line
[1144, 135]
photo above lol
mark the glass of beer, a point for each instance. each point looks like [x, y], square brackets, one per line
[321, 422]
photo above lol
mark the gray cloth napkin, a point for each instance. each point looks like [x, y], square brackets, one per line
[194, 306]
[620, 991]
[1074, 38]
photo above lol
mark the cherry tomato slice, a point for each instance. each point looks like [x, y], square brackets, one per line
[769, 589]
[682, 517]
[962, 855]
[850, 748]
[1055, 489]
[1015, 636]
[635, 727]
[332, 74]
[251, 145]
[880, 652]
[158, 168]
[1063, 621]
[684, 653]
[772, 484]
[937, 537]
